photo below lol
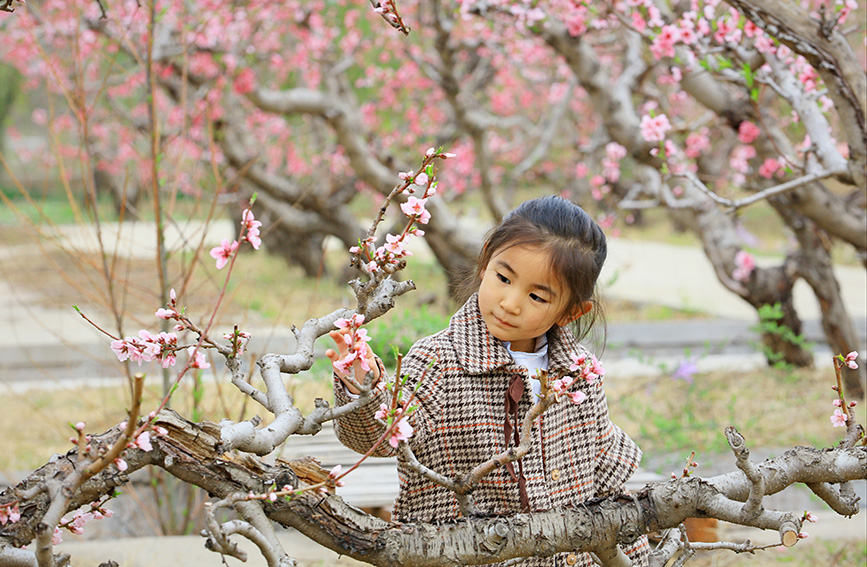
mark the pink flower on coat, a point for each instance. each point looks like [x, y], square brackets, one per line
[578, 362]
[578, 397]
[382, 413]
[223, 252]
[402, 432]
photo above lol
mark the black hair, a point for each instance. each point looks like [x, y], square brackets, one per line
[575, 244]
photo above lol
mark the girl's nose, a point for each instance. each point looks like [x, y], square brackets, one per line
[510, 304]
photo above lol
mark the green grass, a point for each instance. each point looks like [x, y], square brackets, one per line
[771, 408]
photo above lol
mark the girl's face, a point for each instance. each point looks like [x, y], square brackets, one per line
[520, 298]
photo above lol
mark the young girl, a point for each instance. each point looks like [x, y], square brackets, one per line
[536, 278]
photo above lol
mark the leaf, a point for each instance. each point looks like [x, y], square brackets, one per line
[747, 72]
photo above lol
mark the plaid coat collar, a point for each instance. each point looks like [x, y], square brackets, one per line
[480, 352]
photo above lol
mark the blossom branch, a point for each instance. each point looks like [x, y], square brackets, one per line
[471, 479]
[388, 10]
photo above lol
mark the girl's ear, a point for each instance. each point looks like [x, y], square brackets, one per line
[577, 312]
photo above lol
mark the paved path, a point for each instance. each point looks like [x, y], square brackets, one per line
[643, 272]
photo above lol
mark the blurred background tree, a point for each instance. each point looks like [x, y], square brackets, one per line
[702, 112]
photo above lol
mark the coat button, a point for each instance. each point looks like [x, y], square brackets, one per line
[571, 559]
[555, 475]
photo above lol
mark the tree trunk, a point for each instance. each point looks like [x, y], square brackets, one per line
[817, 270]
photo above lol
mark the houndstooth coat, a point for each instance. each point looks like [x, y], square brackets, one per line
[577, 453]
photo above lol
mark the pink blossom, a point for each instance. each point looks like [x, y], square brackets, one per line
[421, 179]
[143, 441]
[850, 360]
[576, 20]
[354, 322]
[748, 132]
[595, 368]
[414, 208]
[744, 266]
[638, 22]
[838, 403]
[688, 35]
[839, 418]
[223, 252]
[382, 412]
[197, 358]
[164, 313]
[394, 244]
[251, 226]
[578, 361]
[577, 397]
[663, 43]
[401, 432]
[57, 536]
[9, 514]
[653, 128]
[121, 349]
[245, 81]
[809, 517]
[765, 44]
[696, 143]
[121, 464]
[769, 168]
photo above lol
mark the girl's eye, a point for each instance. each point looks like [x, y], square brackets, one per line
[502, 278]
[538, 299]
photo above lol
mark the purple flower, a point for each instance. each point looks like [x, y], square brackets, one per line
[685, 370]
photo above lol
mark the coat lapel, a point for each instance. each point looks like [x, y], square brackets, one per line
[477, 349]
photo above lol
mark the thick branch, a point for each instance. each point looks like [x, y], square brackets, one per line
[191, 452]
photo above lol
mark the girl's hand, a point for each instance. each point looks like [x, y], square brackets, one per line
[358, 371]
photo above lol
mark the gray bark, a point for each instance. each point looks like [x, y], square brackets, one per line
[193, 453]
